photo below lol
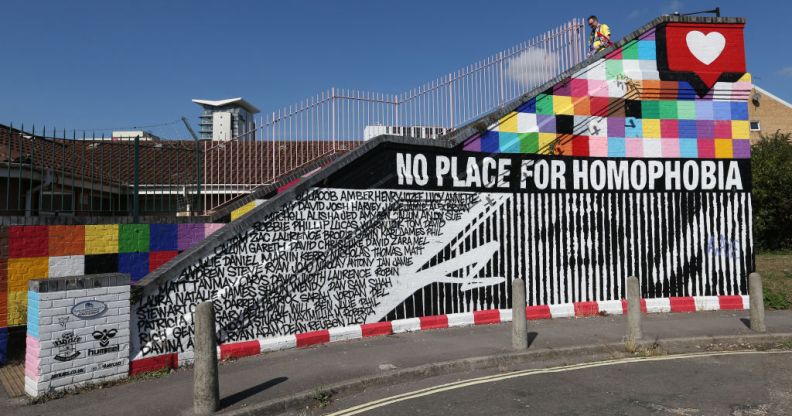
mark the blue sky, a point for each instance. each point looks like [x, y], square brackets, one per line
[109, 65]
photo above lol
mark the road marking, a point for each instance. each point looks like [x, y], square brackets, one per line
[523, 373]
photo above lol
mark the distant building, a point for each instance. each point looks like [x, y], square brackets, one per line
[418, 132]
[124, 135]
[226, 119]
[768, 113]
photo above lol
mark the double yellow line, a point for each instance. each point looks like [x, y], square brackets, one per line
[523, 373]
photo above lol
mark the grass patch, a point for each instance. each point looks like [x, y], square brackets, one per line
[776, 271]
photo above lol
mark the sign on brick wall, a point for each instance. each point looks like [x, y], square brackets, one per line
[77, 333]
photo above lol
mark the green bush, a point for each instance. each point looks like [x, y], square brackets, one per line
[771, 171]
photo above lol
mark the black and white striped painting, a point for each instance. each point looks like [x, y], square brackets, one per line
[576, 247]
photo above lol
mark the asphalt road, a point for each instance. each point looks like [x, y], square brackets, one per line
[740, 384]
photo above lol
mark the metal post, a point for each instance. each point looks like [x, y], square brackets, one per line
[519, 324]
[756, 295]
[136, 184]
[633, 309]
[206, 385]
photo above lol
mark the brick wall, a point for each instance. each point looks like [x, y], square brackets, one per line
[773, 115]
[77, 333]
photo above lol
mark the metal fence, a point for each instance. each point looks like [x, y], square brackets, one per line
[71, 173]
[337, 120]
[44, 173]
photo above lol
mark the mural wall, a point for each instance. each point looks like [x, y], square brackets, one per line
[636, 165]
[44, 251]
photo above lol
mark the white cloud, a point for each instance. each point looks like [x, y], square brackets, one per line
[785, 72]
[533, 66]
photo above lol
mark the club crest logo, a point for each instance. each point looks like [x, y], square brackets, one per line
[89, 309]
[67, 346]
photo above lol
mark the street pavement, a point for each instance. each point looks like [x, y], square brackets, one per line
[738, 384]
[246, 382]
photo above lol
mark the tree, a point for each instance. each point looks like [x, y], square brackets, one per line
[771, 170]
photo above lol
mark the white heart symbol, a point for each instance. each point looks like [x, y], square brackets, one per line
[706, 48]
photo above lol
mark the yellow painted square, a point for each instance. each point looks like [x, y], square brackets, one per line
[101, 239]
[723, 149]
[562, 104]
[244, 209]
[508, 124]
[22, 269]
[745, 78]
[651, 128]
[740, 129]
[544, 142]
[17, 308]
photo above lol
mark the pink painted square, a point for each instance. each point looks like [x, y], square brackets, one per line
[211, 228]
[633, 147]
[579, 87]
[706, 148]
[723, 129]
[598, 146]
[670, 147]
[669, 129]
[597, 88]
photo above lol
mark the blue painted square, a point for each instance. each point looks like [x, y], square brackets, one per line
[3, 345]
[633, 127]
[490, 142]
[136, 264]
[616, 147]
[686, 92]
[164, 237]
[687, 129]
[688, 148]
[509, 142]
[739, 111]
[721, 110]
[528, 107]
[646, 50]
[704, 110]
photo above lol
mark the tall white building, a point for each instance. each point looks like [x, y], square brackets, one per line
[227, 119]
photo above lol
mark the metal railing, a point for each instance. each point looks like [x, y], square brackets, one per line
[337, 120]
[44, 173]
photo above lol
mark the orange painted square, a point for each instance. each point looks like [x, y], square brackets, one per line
[582, 107]
[563, 146]
[66, 240]
[651, 90]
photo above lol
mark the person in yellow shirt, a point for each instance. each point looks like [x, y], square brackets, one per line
[600, 37]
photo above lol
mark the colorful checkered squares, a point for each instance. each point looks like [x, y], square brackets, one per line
[619, 107]
[36, 252]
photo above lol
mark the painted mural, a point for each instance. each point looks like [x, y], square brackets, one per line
[637, 165]
[36, 252]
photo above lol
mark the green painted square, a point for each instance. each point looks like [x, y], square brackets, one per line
[686, 110]
[529, 143]
[544, 104]
[630, 50]
[133, 238]
[668, 109]
[613, 68]
[650, 109]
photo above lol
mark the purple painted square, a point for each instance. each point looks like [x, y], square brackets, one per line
[562, 89]
[473, 145]
[190, 235]
[546, 123]
[705, 129]
[615, 127]
[741, 148]
[649, 35]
